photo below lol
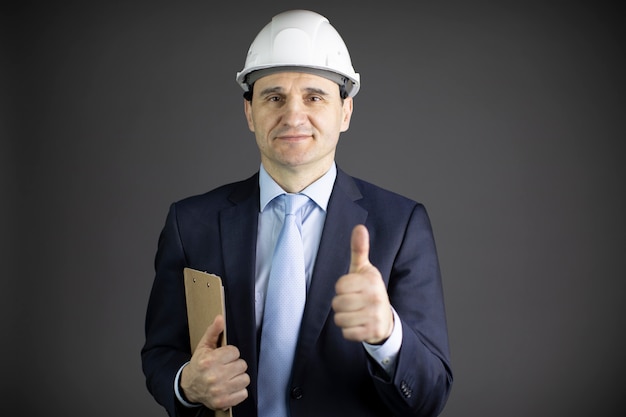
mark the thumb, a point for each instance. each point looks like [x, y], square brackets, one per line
[212, 335]
[360, 247]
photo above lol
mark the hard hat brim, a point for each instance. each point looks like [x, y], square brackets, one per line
[247, 78]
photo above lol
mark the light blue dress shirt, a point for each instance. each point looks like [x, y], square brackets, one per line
[271, 214]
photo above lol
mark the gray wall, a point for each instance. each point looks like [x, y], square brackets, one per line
[506, 119]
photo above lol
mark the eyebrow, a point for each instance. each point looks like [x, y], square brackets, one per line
[280, 90]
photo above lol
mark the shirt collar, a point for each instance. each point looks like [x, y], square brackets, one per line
[319, 191]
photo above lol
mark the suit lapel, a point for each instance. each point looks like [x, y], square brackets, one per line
[238, 229]
[333, 260]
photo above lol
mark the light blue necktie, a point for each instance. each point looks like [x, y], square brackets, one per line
[284, 304]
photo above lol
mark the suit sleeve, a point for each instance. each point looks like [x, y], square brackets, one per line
[167, 347]
[423, 376]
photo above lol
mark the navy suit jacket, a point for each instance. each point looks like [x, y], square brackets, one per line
[216, 232]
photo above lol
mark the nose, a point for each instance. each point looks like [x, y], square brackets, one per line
[294, 113]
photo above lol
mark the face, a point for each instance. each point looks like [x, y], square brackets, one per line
[297, 119]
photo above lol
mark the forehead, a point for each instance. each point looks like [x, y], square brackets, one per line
[295, 80]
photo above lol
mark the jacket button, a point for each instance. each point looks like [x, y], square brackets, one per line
[297, 393]
[406, 389]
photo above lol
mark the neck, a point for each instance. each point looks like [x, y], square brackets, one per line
[296, 179]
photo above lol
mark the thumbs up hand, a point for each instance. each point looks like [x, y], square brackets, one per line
[215, 376]
[361, 304]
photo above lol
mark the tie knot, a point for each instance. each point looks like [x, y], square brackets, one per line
[294, 202]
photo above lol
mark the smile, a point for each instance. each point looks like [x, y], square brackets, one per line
[293, 138]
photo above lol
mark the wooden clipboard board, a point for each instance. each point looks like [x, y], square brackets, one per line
[204, 294]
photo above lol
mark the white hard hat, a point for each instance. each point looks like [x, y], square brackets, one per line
[300, 40]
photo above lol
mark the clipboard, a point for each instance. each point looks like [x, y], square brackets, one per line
[204, 294]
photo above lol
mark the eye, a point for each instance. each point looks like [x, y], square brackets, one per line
[273, 98]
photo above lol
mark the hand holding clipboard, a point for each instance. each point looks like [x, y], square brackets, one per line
[204, 294]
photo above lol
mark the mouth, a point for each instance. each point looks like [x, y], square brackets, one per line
[293, 137]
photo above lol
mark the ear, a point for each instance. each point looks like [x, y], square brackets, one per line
[347, 113]
[247, 108]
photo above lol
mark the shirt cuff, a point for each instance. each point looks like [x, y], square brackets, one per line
[386, 354]
[177, 390]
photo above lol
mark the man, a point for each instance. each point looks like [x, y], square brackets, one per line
[371, 337]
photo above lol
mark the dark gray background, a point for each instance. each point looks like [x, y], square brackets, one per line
[506, 119]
